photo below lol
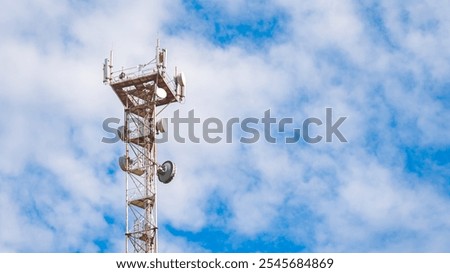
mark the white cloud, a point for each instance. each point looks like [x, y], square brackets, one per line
[173, 244]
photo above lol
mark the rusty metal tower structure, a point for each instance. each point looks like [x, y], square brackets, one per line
[142, 90]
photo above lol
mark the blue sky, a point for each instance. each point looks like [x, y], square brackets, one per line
[384, 65]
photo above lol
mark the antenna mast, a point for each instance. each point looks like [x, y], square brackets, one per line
[142, 90]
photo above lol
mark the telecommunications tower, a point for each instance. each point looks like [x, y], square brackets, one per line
[143, 89]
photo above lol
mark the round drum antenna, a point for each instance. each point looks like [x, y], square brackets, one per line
[166, 172]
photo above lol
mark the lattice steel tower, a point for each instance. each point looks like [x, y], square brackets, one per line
[142, 90]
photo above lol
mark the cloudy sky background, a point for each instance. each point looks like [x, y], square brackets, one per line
[385, 65]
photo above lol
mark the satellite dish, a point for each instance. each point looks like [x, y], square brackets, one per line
[161, 93]
[121, 132]
[123, 163]
[123, 166]
[161, 126]
[166, 172]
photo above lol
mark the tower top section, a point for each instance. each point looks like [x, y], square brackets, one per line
[137, 83]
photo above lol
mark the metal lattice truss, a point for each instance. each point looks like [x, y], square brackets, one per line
[141, 90]
[141, 188]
